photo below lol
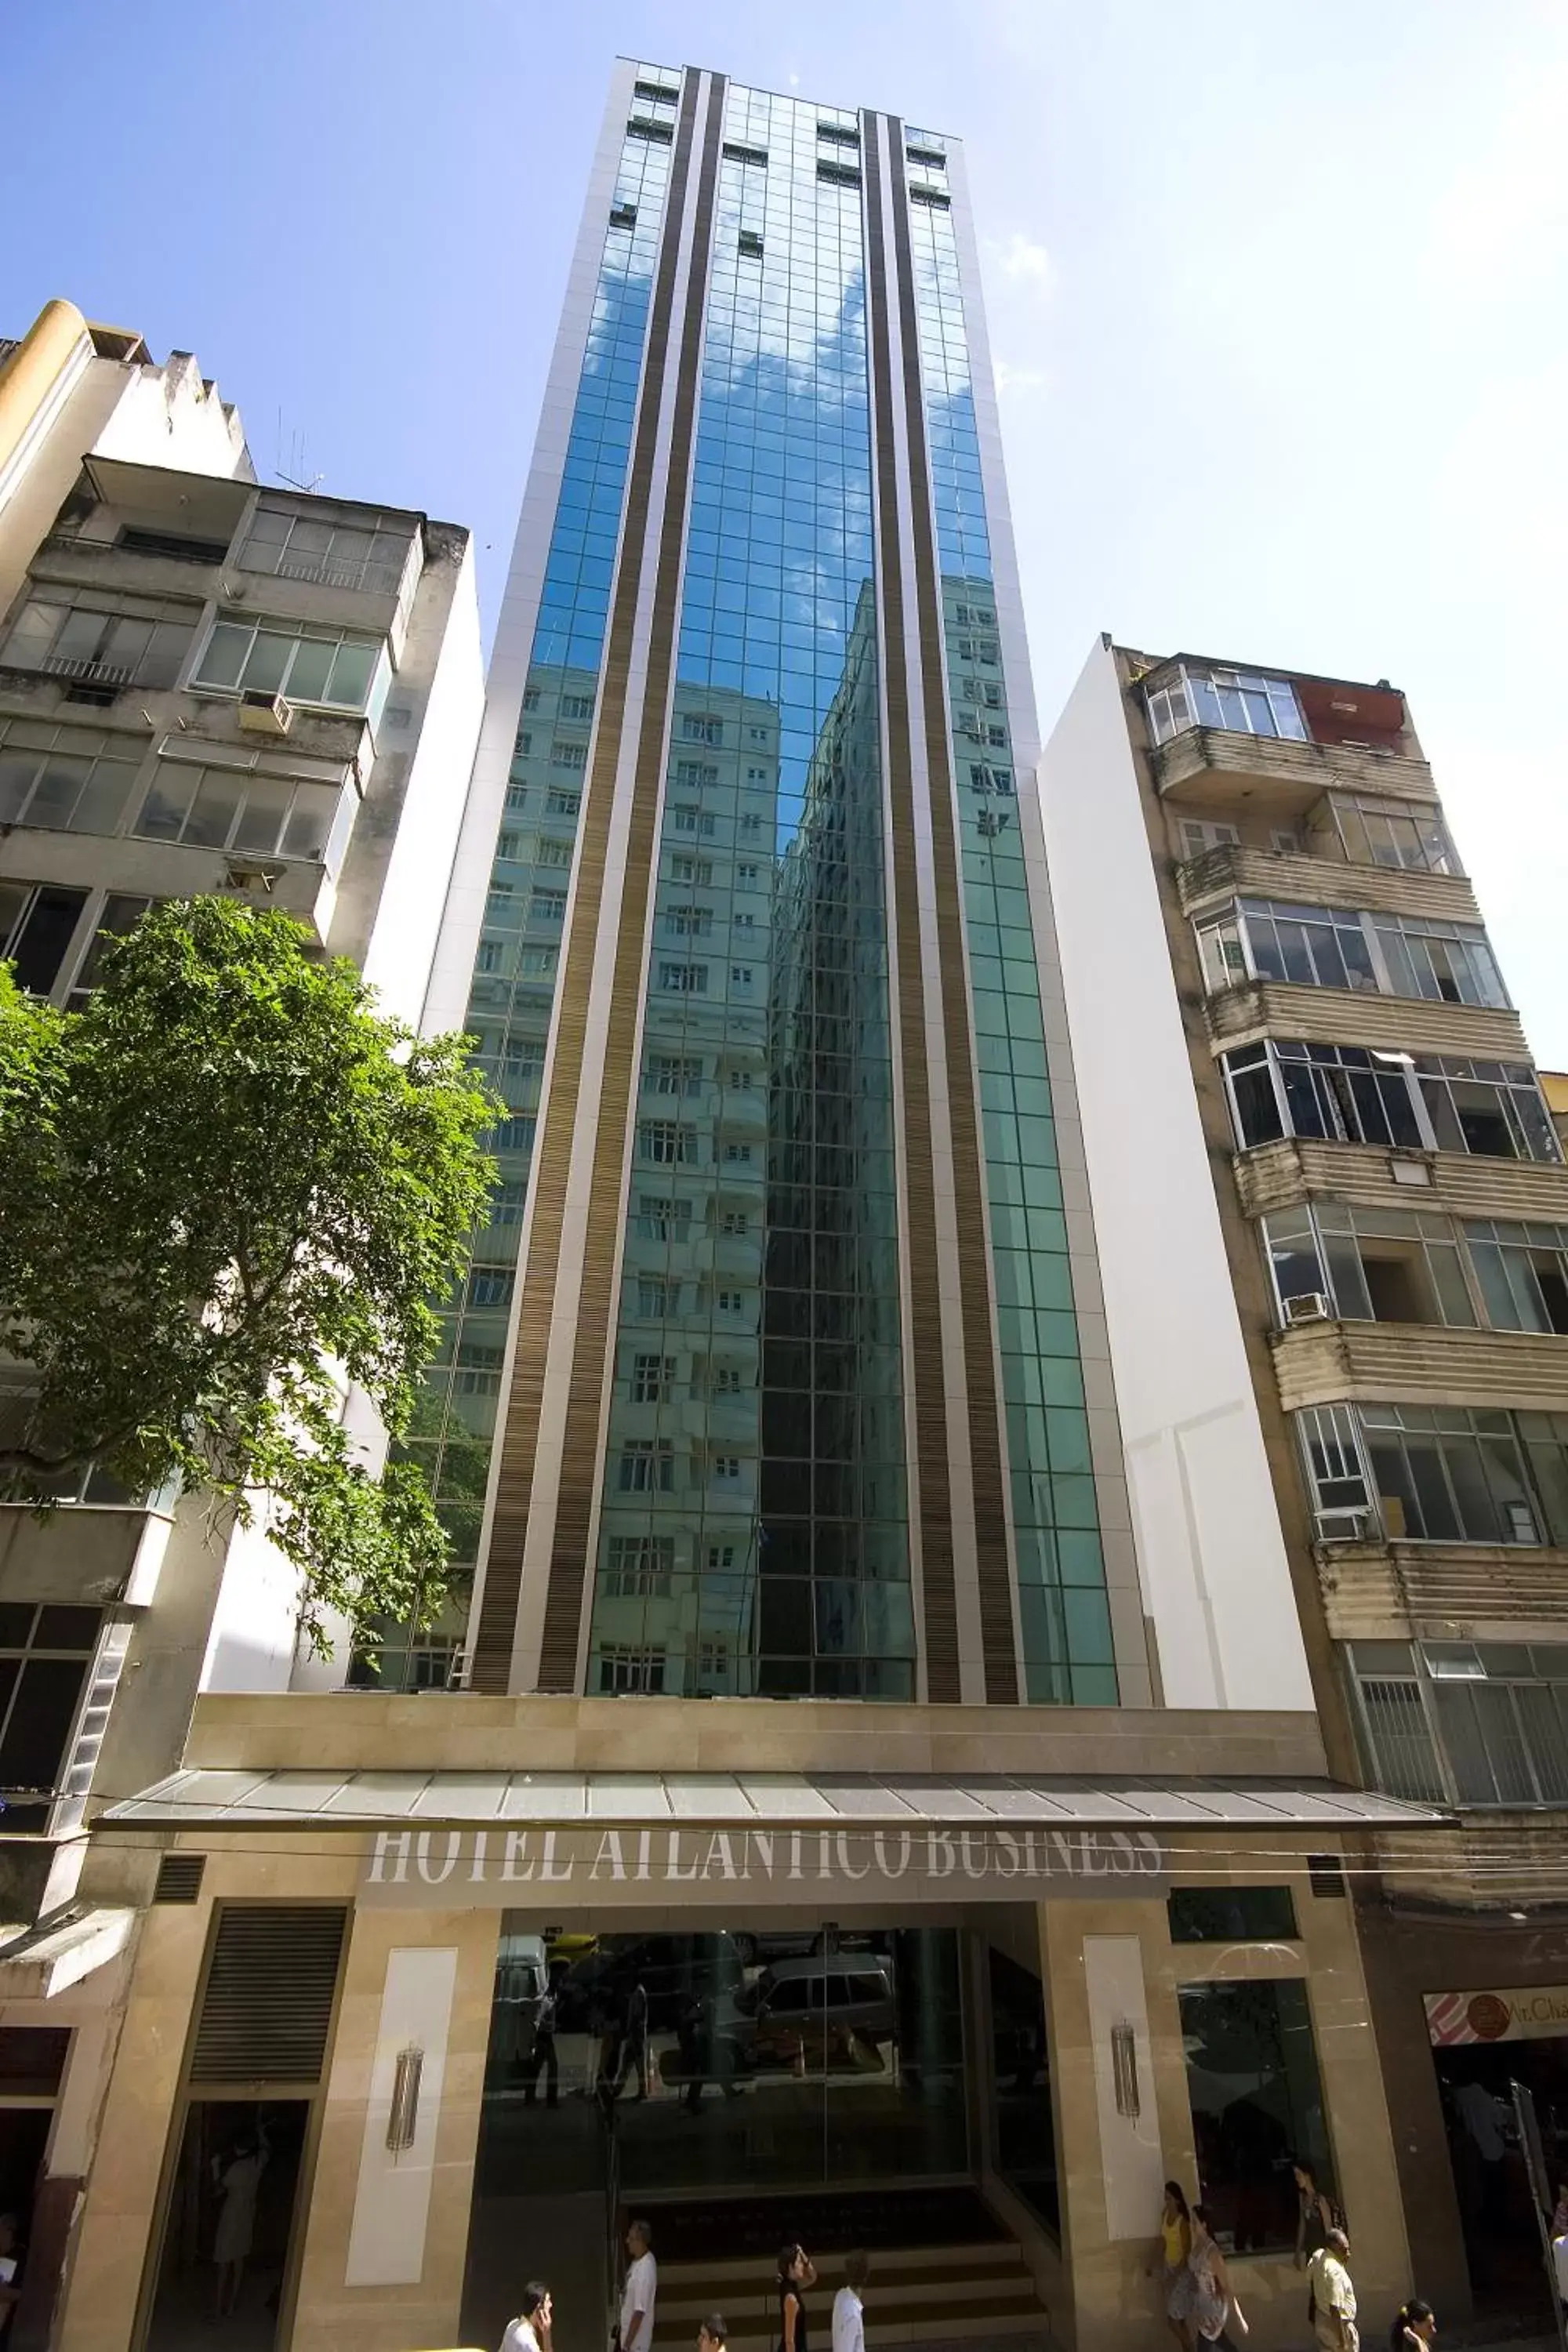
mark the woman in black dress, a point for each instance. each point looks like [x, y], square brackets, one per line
[796, 2273]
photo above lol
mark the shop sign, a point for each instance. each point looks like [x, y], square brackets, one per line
[692, 1863]
[1528, 2013]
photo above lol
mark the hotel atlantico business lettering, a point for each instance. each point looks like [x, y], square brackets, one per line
[694, 1863]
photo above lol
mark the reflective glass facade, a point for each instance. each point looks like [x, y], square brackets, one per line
[757, 1276]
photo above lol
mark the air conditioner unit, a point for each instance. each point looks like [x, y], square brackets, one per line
[1344, 1527]
[1310, 1307]
[265, 714]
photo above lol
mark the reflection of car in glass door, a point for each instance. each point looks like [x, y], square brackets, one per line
[823, 2011]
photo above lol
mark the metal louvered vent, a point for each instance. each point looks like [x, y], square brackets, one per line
[179, 1878]
[1325, 1873]
[268, 2007]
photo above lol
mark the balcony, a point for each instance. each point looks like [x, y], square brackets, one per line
[1388, 1590]
[1336, 1017]
[1237, 871]
[1217, 768]
[1420, 1363]
[67, 559]
[1466, 1184]
[96, 1553]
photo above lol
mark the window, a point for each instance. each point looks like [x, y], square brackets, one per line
[734, 1222]
[1256, 2098]
[750, 824]
[1200, 834]
[103, 640]
[638, 1565]
[691, 869]
[563, 754]
[726, 1467]
[720, 1556]
[713, 1658]
[746, 877]
[739, 1081]
[577, 705]
[656, 1299]
[305, 664]
[1480, 1723]
[1231, 1914]
[1406, 834]
[757, 734]
[744, 923]
[660, 1219]
[700, 727]
[683, 979]
[1238, 700]
[547, 905]
[689, 922]
[550, 853]
[729, 1302]
[562, 803]
[1316, 947]
[490, 1286]
[741, 974]
[1523, 1275]
[736, 1154]
[1384, 1265]
[66, 778]
[725, 1379]
[647, 1466]
[684, 819]
[1021, 2077]
[531, 697]
[45, 1654]
[1451, 963]
[662, 1141]
[368, 553]
[673, 1073]
[651, 1377]
[622, 1668]
[1347, 1094]
[240, 809]
[696, 772]
[121, 911]
[755, 775]
[1440, 1473]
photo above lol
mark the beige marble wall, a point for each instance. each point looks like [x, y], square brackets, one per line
[328, 2313]
[1114, 2301]
[99, 2306]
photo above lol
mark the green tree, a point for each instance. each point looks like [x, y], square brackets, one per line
[227, 1187]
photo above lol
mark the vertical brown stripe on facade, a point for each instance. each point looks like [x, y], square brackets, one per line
[993, 1569]
[496, 1629]
[924, 1354]
[569, 1565]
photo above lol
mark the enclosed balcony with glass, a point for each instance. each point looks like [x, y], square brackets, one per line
[1221, 735]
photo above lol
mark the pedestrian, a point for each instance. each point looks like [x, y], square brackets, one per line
[1315, 2214]
[640, 2291]
[1214, 2304]
[529, 2331]
[1414, 2327]
[848, 2305]
[543, 2053]
[712, 2333]
[238, 2184]
[1172, 2253]
[796, 2273]
[1331, 2295]
[634, 2043]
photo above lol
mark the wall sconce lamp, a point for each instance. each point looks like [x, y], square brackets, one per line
[403, 2117]
[1124, 2068]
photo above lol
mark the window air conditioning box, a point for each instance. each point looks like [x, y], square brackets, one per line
[265, 714]
[1310, 1307]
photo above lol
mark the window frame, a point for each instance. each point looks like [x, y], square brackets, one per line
[301, 633]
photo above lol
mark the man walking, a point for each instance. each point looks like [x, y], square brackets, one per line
[1332, 2295]
[848, 2306]
[542, 2054]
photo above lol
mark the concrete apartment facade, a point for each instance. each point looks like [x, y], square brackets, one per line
[897, 1764]
[1275, 966]
[206, 686]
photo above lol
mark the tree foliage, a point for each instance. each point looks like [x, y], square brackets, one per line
[229, 1187]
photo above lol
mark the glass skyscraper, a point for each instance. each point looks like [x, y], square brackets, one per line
[779, 1368]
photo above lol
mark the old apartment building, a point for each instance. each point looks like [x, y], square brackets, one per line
[1332, 1209]
[206, 685]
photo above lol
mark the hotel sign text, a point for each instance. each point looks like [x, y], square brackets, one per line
[444, 1868]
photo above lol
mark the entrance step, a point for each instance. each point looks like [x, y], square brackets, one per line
[917, 2295]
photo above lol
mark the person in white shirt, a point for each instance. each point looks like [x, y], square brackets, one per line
[640, 2291]
[529, 2331]
[848, 2309]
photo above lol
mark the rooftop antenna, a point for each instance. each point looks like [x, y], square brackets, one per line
[294, 474]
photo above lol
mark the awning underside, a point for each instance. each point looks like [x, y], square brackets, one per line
[328, 1800]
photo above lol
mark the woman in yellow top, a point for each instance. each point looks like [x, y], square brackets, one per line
[1173, 2251]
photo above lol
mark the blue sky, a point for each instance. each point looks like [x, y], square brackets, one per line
[1277, 287]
